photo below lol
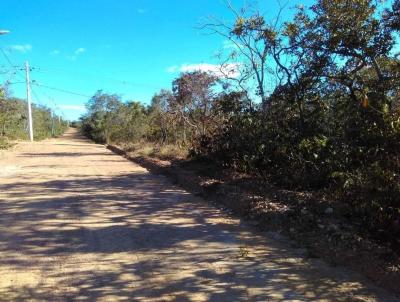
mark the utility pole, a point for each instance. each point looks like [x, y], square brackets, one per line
[28, 97]
[52, 123]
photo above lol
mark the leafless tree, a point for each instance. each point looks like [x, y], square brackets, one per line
[250, 50]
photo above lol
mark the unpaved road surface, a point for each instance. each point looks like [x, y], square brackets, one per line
[79, 223]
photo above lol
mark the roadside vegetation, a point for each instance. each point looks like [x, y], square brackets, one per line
[13, 121]
[310, 104]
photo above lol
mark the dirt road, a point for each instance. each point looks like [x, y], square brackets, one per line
[79, 223]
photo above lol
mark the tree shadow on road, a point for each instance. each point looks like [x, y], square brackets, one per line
[135, 237]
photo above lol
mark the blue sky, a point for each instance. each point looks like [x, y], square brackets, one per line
[129, 47]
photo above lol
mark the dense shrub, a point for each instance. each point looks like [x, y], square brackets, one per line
[13, 121]
[331, 120]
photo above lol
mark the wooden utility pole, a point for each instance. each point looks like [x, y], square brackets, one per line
[28, 99]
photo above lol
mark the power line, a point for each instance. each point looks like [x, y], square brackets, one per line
[16, 68]
[7, 58]
[123, 82]
[11, 83]
[10, 76]
[37, 99]
[53, 112]
[62, 90]
[51, 99]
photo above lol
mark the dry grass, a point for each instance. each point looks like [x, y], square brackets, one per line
[5, 143]
[147, 149]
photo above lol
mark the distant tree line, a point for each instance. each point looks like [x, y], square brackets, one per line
[328, 115]
[14, 120]
[180, 116]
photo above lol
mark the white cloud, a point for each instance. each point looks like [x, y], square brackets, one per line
[172, 69]
[73, 107]
[80, 51]
[21, 48]
[219, 70]
[55, 52]
[77, 53]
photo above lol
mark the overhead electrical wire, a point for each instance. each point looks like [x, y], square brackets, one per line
[16, 70]
[96, 76]
[14, 83]
[10, 77]
[37, 99]
[61, 90]
[51, 99]
[45, 70]
[53, 111]
[14, 67]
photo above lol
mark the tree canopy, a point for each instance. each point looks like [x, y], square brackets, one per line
[324, 114]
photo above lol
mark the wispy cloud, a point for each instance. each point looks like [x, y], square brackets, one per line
[219, 70]
[172, 69]
[79, 51]
[73, 107]
[21, 47]
[55, 52]
[142, 11]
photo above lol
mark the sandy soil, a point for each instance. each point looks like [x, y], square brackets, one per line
[79, 223]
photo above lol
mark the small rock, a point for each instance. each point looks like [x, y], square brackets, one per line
[329, 211]
[292, 230]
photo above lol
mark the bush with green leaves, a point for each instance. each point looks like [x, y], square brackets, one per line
[333, 119]
[14, 121]
[328, 118]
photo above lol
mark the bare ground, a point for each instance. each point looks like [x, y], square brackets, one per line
[79, 223]
[317, 221]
